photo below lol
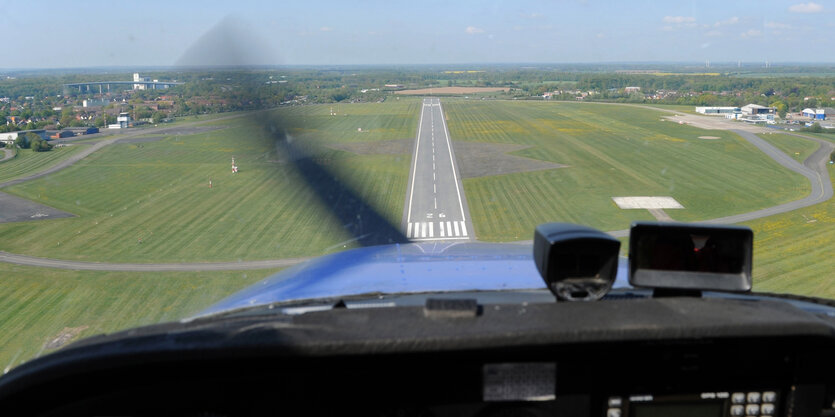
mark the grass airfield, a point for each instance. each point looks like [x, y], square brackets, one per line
[151, 202]
[610, 151]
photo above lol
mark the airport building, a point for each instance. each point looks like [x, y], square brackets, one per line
[819, 114]
[717, 110]
[754, 109]
[10, 137]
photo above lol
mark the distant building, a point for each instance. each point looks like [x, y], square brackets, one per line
[94, 103]
[717, 110]
[140, 79]
[10, 137]
[83, 130]
[62, 134]
[752, 109]
[819, 114]
[632, 89]
[123, 121]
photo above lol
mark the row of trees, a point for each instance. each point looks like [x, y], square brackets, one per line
[32, 141]
[208, 91]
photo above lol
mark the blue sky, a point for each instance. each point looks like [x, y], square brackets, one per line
[43, 34]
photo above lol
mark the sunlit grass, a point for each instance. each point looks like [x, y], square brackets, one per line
[28, 162]
[38, 304]
[151, 202]
[610, 151]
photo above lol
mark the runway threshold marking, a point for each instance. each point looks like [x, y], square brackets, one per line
[418, 230]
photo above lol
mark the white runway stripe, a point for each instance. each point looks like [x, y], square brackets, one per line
[447, 230]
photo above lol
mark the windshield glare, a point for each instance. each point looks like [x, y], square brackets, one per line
[154, 166]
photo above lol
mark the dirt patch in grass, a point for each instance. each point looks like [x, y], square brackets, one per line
[485, 159]
[709, 137]
[452, 90]
[188, 130]
[380, 147]
[142, 140]
[64, 337]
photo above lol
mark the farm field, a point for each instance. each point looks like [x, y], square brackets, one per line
[610, 151]
[792, 250]
[27, 162]
[46, 308]
[151, 201]
[793, 146]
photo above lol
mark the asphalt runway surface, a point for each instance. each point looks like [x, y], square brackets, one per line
[435, 206]
[16, 209]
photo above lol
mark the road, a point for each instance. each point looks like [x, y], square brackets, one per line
[7, 154]
[96, 266]
[435, 206]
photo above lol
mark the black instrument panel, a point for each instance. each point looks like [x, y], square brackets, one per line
[638, 358]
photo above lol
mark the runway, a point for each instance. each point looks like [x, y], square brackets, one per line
[435, 206]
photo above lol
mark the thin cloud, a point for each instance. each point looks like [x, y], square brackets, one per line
[472, 30]
[326, 29]
[809, 7]
[530, 15]
[751, 33]
[713, 33]
[732, 21]
[678, 19]
[777, 25]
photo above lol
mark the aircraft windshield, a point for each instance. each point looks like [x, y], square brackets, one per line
[161, 156]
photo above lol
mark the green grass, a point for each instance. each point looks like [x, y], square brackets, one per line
[797, 148]
[158, 192]
[825, 136]
[611, 151]
[38, 303]
[793, 251]
[394, 119]
[27, 162]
